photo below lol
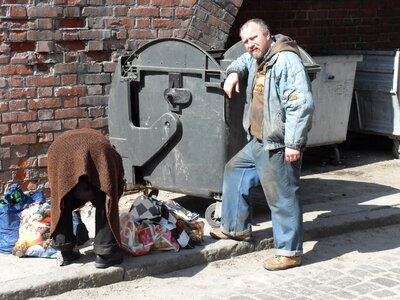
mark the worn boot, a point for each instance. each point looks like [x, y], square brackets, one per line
[65, 258]
[105, 261]
[218, 234]
[279, 262]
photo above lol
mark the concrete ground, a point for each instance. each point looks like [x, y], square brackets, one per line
[361, 192]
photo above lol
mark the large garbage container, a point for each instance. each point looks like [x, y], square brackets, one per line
[332, 92]
[170, 120]
[376, 106]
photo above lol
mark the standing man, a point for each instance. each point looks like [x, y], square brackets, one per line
[277, 118]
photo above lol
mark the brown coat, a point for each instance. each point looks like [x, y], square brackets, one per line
[87, 152]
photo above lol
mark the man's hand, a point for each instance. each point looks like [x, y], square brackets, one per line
[291, 154]
[231, 82]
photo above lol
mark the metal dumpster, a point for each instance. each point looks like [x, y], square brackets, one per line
[376, 107]
[332, 92]
[170, 120]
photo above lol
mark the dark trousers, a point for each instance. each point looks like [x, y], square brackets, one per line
[104, 241]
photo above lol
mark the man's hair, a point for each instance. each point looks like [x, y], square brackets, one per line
[263, 26]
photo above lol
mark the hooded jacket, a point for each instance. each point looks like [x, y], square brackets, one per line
[288, 102]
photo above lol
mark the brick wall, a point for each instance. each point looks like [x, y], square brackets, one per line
[322, 25]
[57, 58]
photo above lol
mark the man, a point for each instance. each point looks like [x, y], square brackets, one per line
[83, 166]
[277, 118]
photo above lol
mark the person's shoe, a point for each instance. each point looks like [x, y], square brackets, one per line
[217, 234]
[105, 261]
[65, 258]
[279, 262]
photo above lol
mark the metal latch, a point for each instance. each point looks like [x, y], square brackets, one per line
[176, 96]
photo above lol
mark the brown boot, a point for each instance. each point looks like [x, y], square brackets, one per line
[279, 262]
[217, 234]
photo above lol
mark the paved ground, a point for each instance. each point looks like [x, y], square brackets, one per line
[361, 192]
[359, 265]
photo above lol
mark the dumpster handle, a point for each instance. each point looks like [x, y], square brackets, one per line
[396, 73]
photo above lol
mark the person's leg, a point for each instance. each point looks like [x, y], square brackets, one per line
[239, 177]
[64, 240]
[281, 181]
[105, 245]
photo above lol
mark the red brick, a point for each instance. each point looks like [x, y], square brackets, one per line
[44, 103]
[165, 2]
[96, 56]
[44, 46]
[19, 139]
[96, 112]
[3, 106]
[17, 105]
[70, 36]
[5, 153]
[45, 137]
[42, 160]
[23, 46]
[66, 68]
[16, 81]
[19, 116]
[183, 12]
[167, 12]
[15, 70]
[93, 123]
[4, 59]
[71, 23]
[19, 151]
[43, 92]
[45, 11]
[69, 79]
[142, 34]
[44, 126]
[45, 114]
[191, 3]
[18, 36]
[72, 12]
[94, 46]
[166, 23]
[70, 91]
[97, 11]
[143, 12]
[4, 129]
[70, 124]
[3, 83]
[17, 11]
[23, 58]
[42, 80]
[18, 128]
[71, 102]
[70, 113]
[142, 23]
[23, 93]
[44, 23]
[72, 45]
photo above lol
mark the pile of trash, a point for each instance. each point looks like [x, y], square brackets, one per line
[25, 224]
[152, 224]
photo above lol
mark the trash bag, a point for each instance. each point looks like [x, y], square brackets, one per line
[11, 205]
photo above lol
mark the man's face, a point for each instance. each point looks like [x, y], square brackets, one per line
[256, 42]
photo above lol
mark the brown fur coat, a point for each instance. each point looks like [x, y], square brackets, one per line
[85, 152]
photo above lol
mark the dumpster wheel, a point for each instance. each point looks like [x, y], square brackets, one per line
[210, 216]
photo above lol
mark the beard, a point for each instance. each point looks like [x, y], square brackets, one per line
[258, 53]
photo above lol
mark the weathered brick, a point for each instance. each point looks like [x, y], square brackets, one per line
[19, 139]
[165, 2]
[97, 11]
[15, 70]
[44, 126]
[71, 45]
[93, 100]
[19, 116]
[44, 46]
[69, 79]
[96, 112]
[41, 103]
[45, 114]
[72, 12]
[23, 46]
[95, 90]
[3, 83]
[71, 23]
[144, 12]
[44, 92]
[181, 12]
[16, 81]
[23, 93]
[45, 11]
[97, 78]
[5, 152]
[167, 12]
[94, 34]
[66, 113]
[17, 11]
[65, 68]
[93, 123]
[18, 36]
[4, 59]
[17, 104]
[18, 128]
[4, 129]
[142, 34]
[94, 46]
[166, 23]
[42, 80]
[43, 35]
[42, 160]
[70, 124]
[3, 106]
[44, 23]
[70, 36]
[19, 150]
[70, 91]
[24, 58]
[142, 23]
[45, 137]
[71, 102]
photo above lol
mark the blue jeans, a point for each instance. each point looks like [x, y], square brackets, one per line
[280, 181]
